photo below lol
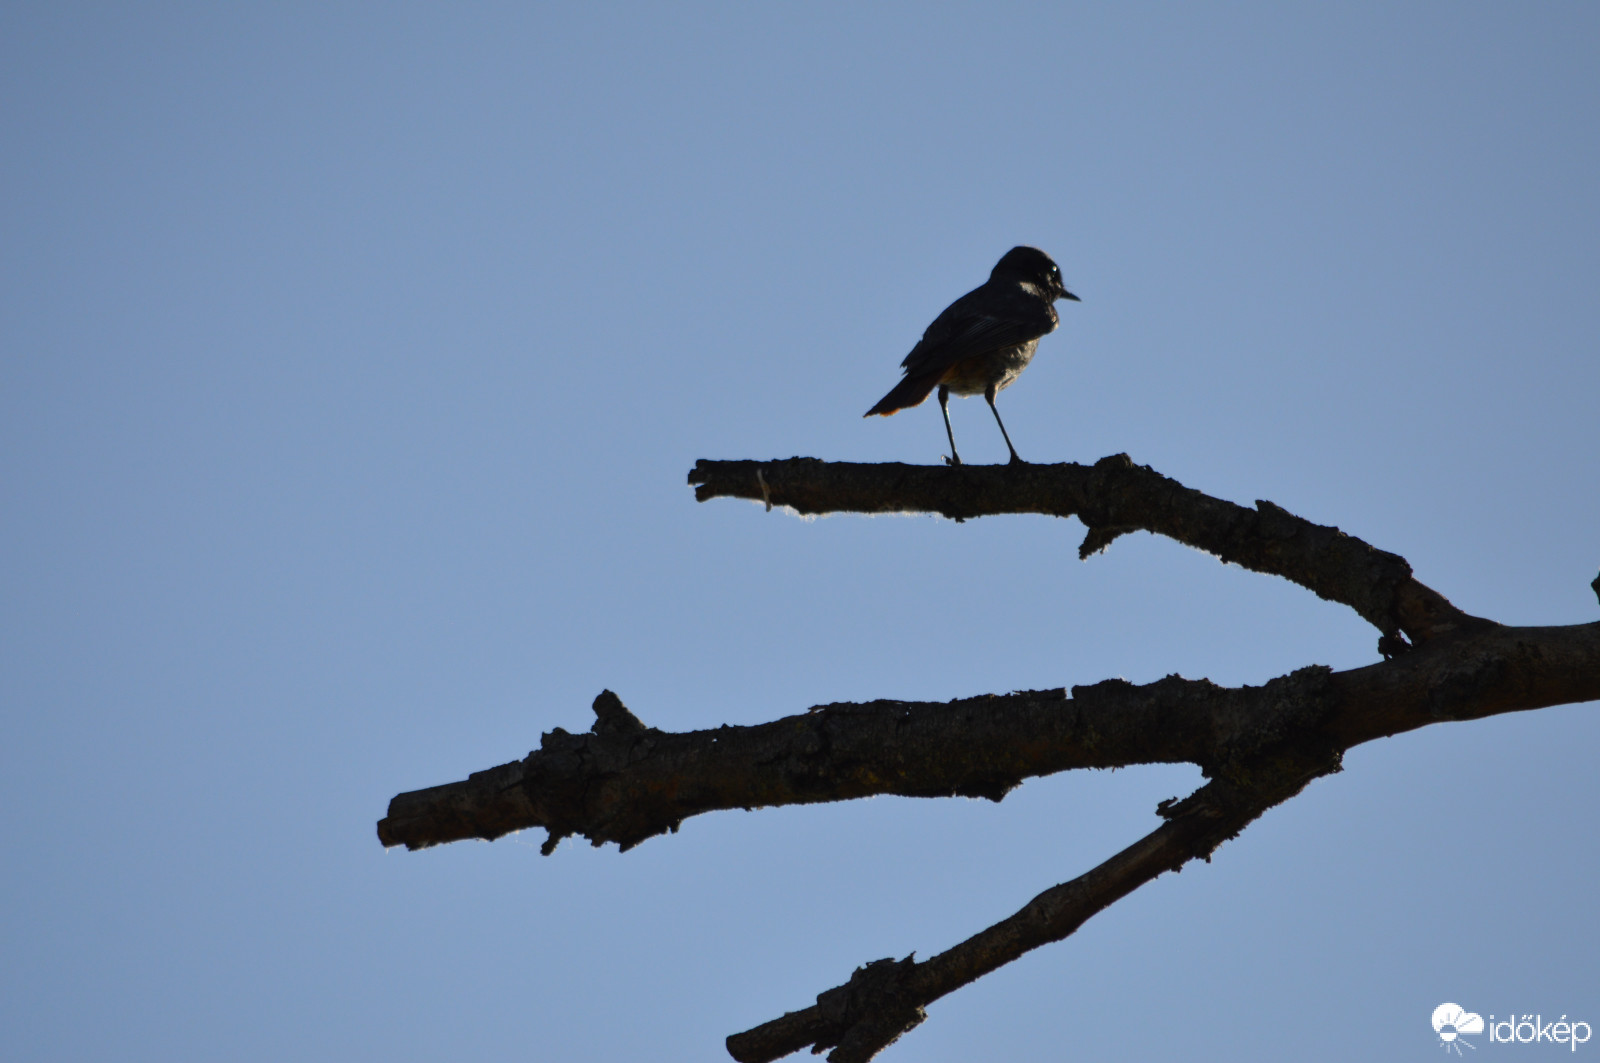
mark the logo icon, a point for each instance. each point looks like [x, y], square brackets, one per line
[1450, 1021]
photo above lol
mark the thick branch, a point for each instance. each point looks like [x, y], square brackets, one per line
[1258, 746]
[1520, 668]
[627, 783]
[1112, 497]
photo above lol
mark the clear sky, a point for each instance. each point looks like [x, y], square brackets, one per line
[354, 357]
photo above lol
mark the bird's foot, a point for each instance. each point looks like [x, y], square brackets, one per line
[951, 459]
[1016, 459]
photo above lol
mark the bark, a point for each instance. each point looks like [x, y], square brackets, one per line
[623, 782]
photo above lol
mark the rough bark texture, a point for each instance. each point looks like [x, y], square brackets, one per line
[622, 781]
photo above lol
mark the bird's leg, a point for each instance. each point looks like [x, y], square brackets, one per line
[988, 395]
[944, 407]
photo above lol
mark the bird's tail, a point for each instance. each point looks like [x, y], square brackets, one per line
[906, 394]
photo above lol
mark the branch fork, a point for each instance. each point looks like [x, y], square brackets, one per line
[623, 782]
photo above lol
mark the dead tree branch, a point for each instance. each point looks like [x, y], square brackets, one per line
[1112, 497]
[886, 998]
[1257, 746]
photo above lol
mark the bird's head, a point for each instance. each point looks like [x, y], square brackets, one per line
[1032, 266]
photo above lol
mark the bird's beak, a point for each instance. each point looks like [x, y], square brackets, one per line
[1068, 295]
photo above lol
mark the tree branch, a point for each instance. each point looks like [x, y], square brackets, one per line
[1516, 669]
[627, 784]
[1112, 498]
[885, 999]
[624, 782]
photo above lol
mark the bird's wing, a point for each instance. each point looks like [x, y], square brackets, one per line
[980, 322]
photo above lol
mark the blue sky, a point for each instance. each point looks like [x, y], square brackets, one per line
[353, 360]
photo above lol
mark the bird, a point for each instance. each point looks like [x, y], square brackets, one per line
[983, 340]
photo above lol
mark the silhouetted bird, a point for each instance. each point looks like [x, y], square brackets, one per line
[983, 340]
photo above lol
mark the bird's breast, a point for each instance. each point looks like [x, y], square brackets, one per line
[973, 376]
